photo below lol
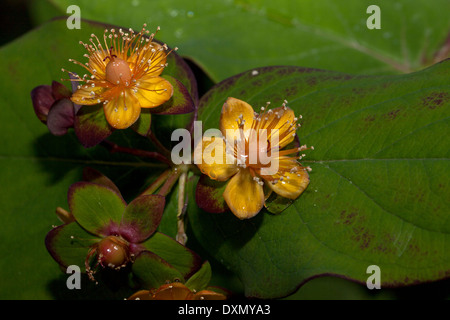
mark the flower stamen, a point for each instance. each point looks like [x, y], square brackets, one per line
[126, 62]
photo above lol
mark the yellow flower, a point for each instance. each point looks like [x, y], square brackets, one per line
[124, 75]
[249, 154]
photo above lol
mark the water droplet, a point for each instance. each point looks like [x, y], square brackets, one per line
[173, 13]
[179, 33]
[135, 3]
[190, 14]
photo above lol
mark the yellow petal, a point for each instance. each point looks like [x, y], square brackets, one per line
[98, 63]
[232, 109]
[279, 123]
[156, 55]
[292, 185]
[212, 159]
[153, 92]
[88, 95]
[243, 195]
[122, 111]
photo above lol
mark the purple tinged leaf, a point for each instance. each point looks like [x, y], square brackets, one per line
[60, 91]
[182, 258]
[42, 99]
[97, 208]
[68, 244]
[95, 176]
[208, 195]
[181, 101]
[60, 117]
[142, 217]
[52, 107]
[91, 126]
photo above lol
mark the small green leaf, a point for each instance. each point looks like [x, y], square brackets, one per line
[94, 176]
[179, 256]
[153, 271]
[200, 279]
[276, 204]
[69, 244]
[95, 207]
[143, 125]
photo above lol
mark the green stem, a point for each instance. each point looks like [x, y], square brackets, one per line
[157, 183]
[170, 182]
[113, 148]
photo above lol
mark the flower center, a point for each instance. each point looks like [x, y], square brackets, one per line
[252, 148]
[118, 71]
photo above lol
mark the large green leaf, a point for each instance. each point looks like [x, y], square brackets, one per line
[226, 37]
[38, 168]
[378, 193]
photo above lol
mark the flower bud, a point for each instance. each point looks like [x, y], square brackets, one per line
[53, 107]
[113, 252]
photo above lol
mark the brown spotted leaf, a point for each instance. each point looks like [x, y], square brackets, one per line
[379, 188]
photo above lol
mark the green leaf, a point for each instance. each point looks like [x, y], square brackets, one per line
[153, 271]
[378, 192]
[95, 207]
[200, 279]
[69, 244]
[143, 124]
[141, 217]
[180, 257]
[91, 126]
[276, 204]
[208, 195]
[94, 176]
[227, 37]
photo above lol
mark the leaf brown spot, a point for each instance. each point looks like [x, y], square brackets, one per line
[435, 99]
